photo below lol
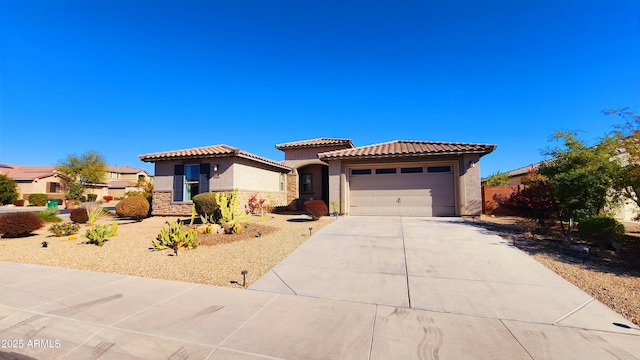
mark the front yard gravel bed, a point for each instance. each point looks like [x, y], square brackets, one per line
[219, 260]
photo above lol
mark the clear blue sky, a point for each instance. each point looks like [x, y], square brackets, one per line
[130, 77]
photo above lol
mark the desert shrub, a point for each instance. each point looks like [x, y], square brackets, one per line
[207, 208]
[536, 202]
[228, 203]
[315, 208]
[19, 224]
[98, 234]
[37, 199]
[18, 202]
[601, 230]
[64, 229]
[79, 215]
[8, 190]
[92, 197]
[232, 227]
[176, 236]
[136, 207]
[49, 216]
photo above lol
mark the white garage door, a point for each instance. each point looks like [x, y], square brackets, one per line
[402, 191]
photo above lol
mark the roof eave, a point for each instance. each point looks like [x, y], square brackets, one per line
[391, 156]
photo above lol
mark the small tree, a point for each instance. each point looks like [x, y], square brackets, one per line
[582, 178]
[87, 168]
[8, 190]
[497, 179]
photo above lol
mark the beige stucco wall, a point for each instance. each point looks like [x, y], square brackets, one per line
[251, 176]
[308, 153]
[469, 186]
[38, 186]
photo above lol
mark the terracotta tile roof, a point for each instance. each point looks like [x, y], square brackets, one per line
[407, 148]
[26, 172]
[319, 142]
[212, 151]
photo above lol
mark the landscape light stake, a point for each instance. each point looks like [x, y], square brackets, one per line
[45, 244]
[244, 278]
[175, 249]
[310, 231]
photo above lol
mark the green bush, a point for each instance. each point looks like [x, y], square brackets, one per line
[79, 215]
[207, 207]
[175, 237]
[92, 197]
[8, 190]
[98, 234]
[315, 208]
[19, 224]
[136, 207]
[64, 229]
[37, 199]
[601, 230]
[49, 216]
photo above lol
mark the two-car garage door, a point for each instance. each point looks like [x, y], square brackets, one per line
[416, 190]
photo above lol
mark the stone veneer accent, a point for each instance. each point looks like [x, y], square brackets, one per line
[292, 191]
[163, 206]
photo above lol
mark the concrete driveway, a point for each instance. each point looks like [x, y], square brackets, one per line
[360, 288]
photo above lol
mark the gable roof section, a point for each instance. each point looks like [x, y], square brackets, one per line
[26, 172]
[318, 142]
[213, 151]
[523, 170]
[126, 169]
[407, 148]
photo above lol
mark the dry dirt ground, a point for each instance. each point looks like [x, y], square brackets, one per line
[613, 279]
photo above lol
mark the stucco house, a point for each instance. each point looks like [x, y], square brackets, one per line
[405, 178]
[47, 180]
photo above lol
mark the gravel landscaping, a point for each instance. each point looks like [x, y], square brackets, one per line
[217, 261]
[612, 279]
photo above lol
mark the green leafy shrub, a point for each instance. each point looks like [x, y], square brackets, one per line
[64, 229]
[19, 224]
[49, 216]
[136, 207]
[18, 202]
[175, 237]
[79, 215]
[315, 208]
[207, 208]
[98, 234]
[8, 190]
[92, 197]
[601, 230]
[37, 199]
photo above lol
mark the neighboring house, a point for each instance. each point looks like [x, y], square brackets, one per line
[34, 179]
[120, 179]
[406, 178]
[47, 180]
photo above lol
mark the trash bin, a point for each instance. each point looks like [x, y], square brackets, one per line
[52, 204]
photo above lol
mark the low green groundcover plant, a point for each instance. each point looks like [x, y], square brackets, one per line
[175, 237]
[64, 229]
[98, 234]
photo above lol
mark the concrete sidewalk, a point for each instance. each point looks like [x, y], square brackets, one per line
[360, 288]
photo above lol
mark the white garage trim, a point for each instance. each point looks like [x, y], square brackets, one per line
[403, 189]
